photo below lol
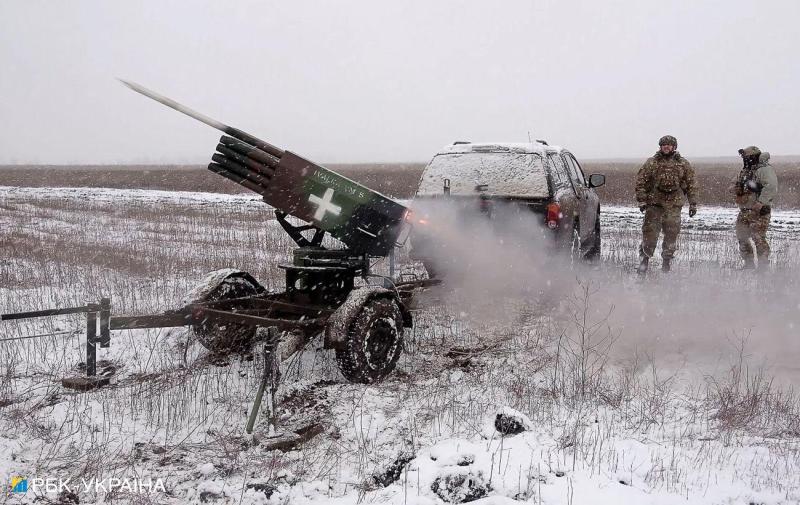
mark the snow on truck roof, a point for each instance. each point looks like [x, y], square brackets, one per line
[489, 147]
[502, 168]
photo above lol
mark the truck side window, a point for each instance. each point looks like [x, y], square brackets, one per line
[554, 175]
[575, 172]
[559, 171]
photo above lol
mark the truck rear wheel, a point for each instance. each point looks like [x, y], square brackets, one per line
[575, 249]
[374, 342]
[597, 242]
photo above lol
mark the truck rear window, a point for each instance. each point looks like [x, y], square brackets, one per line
[503, 174]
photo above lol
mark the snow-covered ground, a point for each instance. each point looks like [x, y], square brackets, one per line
[656, 390]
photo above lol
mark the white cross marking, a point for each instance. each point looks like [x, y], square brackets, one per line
[324, 205]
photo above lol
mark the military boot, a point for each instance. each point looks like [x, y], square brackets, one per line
[643, 265]
[665, 265]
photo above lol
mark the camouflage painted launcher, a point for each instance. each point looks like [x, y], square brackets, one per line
[364, 220]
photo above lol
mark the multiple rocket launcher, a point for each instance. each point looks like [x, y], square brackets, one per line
[364, 220]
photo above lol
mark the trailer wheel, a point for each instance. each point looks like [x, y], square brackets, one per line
[227, 336]
[374, 342]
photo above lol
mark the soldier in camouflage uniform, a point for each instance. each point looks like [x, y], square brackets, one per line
[660, 185]
[755, 190]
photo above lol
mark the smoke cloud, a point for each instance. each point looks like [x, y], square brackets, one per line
[694, 319]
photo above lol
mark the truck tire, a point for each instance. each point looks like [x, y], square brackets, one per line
[222, 337]
[594, 253]
[373, 343]
[575, 249]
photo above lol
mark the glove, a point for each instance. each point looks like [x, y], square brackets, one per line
[642, 208]
[756, 207]
[765, 209]
[754, 186]
[692, 210]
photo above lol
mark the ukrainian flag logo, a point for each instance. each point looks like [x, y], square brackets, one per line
[19, 484]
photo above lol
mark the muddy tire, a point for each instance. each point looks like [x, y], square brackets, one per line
[594, 253]
[374, 342]
[575, 250]
[223, 337]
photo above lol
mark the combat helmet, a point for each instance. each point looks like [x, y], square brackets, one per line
[750, 155]
[668, 140]
[750, 151]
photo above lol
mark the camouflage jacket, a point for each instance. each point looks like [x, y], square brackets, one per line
[764, 179]
[663, 180]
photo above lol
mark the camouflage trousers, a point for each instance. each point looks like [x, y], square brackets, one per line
[750, 225]
[656, 220]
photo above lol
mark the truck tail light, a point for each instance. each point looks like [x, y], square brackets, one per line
[553, 215]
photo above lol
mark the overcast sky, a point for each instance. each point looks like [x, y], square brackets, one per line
[351, 81]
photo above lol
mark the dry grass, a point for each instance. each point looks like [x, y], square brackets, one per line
[172, 408]
[398, 180]
[394, 179]
[713, 179]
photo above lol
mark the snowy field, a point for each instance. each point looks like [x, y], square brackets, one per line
[668, 389]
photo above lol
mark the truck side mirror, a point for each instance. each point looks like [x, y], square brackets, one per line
[596, 180]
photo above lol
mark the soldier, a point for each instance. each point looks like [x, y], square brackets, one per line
[755, 190]
[660, 185]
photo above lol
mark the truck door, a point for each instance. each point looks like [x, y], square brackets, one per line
[587, 197]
